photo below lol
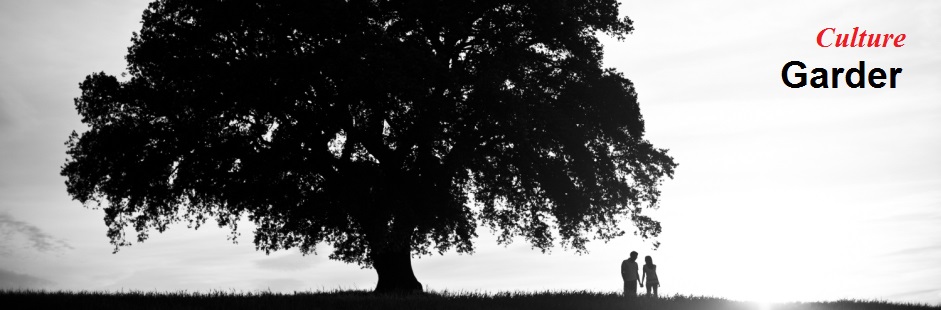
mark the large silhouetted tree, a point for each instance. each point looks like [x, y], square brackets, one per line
[384, 128]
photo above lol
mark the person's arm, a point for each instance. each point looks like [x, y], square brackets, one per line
[637, 276]
[645, 275]
[658, 277]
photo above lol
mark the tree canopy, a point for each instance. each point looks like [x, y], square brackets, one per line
[384, 128]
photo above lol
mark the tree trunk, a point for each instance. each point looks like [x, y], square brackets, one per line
[394, 267]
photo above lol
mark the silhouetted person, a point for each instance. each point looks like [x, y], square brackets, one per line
[630, 276]
[650, 273]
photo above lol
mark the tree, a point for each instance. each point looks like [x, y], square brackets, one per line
[384, 128]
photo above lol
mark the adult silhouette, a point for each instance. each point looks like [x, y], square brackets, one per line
[650, 274]
[630, 276]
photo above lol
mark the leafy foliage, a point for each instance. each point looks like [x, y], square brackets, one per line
[369, 125]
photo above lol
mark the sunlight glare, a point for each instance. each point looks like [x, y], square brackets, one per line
[763, 305]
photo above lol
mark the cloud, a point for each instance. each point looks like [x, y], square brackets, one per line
[13, 280]
[36, 238]
[917, 251]
[290, 262]
[279, 285]
[932, 291]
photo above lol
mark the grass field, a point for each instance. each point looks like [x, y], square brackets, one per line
[367, 300]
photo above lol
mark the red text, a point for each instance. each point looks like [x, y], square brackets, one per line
[829, 37]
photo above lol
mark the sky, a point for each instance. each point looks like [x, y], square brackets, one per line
[781, 194]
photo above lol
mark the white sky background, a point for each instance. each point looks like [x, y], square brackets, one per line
[781, 194]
